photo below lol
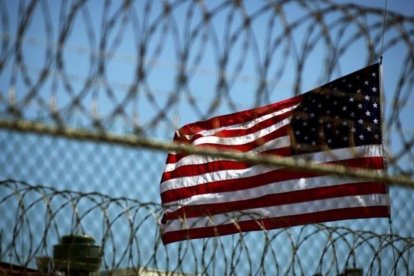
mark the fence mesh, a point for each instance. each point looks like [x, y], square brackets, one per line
[142, 69]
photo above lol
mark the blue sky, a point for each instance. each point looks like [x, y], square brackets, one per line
[165, 49]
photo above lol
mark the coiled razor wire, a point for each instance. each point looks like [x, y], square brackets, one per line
[275, 252]
[60, 62]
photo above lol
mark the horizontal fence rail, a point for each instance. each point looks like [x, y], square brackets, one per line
[143, 142]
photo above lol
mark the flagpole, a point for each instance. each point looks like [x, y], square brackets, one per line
[391, 231]
[384, 25]
[393, 248]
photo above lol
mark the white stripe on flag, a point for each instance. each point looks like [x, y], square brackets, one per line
[243, 125]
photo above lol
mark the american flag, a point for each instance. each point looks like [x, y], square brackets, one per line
[337, 123]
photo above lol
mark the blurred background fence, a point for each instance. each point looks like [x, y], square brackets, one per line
[142, 69]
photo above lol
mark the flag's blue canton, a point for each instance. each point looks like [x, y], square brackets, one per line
[342, 113]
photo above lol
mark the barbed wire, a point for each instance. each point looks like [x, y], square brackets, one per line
[176, 38]
[337, 248]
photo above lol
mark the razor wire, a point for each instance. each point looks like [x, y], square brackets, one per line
[275, 252]
[56, 91]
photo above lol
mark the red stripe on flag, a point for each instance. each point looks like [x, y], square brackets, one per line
[227, 133]
[238, 117]
[283, 131]
[285, 151]
[360, 188]
[272, 223]
[228, 185]
[192, 170]
[282, 152]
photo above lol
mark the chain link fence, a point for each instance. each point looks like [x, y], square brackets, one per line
[82, 82]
